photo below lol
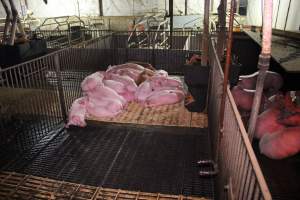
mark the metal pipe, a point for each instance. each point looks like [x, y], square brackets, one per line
[226, 72]
[171, 22]
[277, 14]
[237, 6]
[7, 21]
[16, 22]
[185, 7]
[101, 7]
[60, 88]
[263, 64]
[204, 57]
[287, 15]
[214, 164]
[222, 29]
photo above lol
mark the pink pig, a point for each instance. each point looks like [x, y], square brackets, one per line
[92, 81]
[164, 97]
[282, 144]
[127, 81]
[105, 107]
[77, 113]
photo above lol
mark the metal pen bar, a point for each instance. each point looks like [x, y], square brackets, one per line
[60, 88]
[263, 65]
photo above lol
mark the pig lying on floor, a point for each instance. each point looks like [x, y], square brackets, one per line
[160, 90]
[281, 144]
[77, 113]
[106, 94]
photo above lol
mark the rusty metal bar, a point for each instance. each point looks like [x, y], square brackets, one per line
[204, 57]
[227, 66]
[222, 29]
[263, 64]
[214, 164]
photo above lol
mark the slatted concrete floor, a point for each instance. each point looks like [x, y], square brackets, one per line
[129, 157]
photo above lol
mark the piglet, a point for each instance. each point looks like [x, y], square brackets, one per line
[127, 81]
[92, 81]
[77, 113]
[282, 144]
[112, 69]
[104, 107]
[115, 85]
[164, 97]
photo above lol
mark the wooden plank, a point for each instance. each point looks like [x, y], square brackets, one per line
[41, 189]
[168, 115]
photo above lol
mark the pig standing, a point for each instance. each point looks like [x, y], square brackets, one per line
[282, 144]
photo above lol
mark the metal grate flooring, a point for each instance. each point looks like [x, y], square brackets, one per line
[130, 157]
[282, 176]
[21, 186]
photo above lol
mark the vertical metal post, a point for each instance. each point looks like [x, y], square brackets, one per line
[238, 6]
[226, 74]
[7, 21]
[287, 15]
[263, 64]
[171, 22]
[185, 6]
[16, 23]
[277, 14]
[222, 29]
[60, 88]
[101, 7]
[204, 57]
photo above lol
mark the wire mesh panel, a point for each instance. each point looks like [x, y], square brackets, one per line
[240, 173]
[57, 39]
[29, 102]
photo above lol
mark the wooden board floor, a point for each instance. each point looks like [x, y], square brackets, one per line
[168, 115]
[20, 186]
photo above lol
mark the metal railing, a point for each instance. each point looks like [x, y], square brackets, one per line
[57, 39]
[240, 176]
[157, 40]
[35, 96]
[30, 106]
